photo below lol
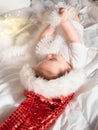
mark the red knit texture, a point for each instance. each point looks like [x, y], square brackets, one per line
[36, 112]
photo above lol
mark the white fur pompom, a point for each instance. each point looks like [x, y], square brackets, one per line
[27, 76]
[60, 4]
[71, 10]
[54, 19]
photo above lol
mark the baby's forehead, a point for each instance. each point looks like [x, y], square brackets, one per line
[47, 74]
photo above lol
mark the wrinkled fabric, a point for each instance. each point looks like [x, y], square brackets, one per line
[82, 112]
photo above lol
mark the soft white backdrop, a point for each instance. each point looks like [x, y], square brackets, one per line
[8, 5]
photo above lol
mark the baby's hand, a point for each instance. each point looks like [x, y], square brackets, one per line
[64, 14]
[57, 17]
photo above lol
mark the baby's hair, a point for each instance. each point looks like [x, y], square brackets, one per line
[38, 73]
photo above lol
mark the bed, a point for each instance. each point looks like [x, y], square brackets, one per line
[17, 29]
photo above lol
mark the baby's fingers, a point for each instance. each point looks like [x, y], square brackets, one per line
[62, 11]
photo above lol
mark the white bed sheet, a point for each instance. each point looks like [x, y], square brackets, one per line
[82, 112]
[8, 5]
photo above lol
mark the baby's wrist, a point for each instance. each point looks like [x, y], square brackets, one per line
[65, 22]
[52, 28]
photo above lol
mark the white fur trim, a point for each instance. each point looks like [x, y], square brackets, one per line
[62, 86]
[54, 19]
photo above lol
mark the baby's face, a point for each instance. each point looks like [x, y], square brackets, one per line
[52, 65]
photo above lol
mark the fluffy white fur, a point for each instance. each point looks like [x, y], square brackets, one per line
[50, 45]
[62, 86]
[54, 19]
[14, 54]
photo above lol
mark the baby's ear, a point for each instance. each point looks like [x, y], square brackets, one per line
[69, 68]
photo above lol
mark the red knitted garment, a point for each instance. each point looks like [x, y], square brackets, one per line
[36, 112]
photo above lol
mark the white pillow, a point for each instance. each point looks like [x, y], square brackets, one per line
[8, 5]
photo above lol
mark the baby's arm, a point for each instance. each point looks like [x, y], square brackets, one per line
[70, 31]
[49, 30]
[77, 50]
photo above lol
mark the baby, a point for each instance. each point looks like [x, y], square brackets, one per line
[56, 63]
[47, 99]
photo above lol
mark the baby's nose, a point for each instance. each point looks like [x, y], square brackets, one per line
[49, 56]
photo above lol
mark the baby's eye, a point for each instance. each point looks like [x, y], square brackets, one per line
[53, 59]
[37, 75]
